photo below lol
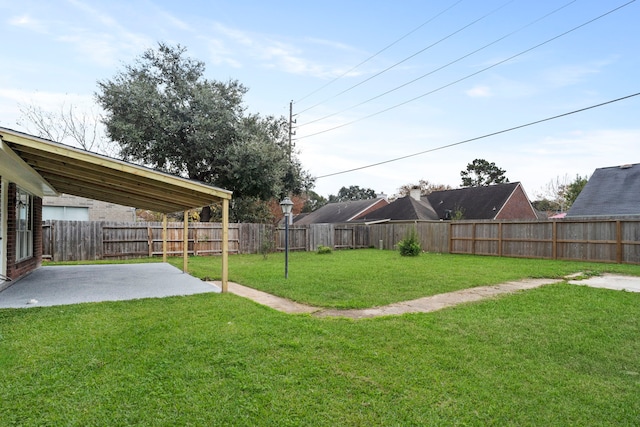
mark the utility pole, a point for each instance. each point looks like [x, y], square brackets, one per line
[291, 131]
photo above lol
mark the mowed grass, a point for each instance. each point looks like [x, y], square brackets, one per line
[556, 355]
[370, 277]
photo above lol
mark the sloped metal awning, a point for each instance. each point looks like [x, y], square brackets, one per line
[50, 168]
[82, 173]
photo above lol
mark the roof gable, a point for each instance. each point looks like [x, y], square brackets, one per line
[340, 211]
[474, 202]
[611, 191]
[403, 209]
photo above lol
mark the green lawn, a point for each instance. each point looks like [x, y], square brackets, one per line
[370, 277]
[556, 355]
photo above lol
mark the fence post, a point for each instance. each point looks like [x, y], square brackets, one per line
[473, 238]
[554, 239]
[150, 241]
[619, 241]
[500, 239]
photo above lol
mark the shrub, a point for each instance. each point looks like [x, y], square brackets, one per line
[267, 243]
[410, 246]
[323, 250]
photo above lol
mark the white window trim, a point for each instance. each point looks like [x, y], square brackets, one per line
[24, 236]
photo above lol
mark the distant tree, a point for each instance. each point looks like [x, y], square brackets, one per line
[70, 125]
[354, 192]
[574, 189]
[481, 173]
[425, 187]
[313, 201]
[559, 194]
[545, 205]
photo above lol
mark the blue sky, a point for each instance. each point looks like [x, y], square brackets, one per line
[54, 52]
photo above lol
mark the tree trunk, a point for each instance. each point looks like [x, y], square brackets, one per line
[205, 214]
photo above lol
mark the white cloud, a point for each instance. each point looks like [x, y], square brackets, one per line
[26, 21]
[480, 91]
[567, 75]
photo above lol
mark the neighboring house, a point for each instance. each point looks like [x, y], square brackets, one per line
[74, 208]
[32, 168]
[494, 202]
[610, 192]
[341, 212]
[411, 207]
[497, 202]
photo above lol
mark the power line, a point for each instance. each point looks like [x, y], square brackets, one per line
[470, 75]
[442, 147]
[441, 67]
[378, 52]
[410, 56]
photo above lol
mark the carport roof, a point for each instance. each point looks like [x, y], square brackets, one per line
[82, 173]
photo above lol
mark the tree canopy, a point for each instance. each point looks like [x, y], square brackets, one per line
[425, 187]
[481, 173]
[354, 192]
[164, 113]
[560, 193]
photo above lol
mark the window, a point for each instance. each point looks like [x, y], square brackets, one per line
[24, 225]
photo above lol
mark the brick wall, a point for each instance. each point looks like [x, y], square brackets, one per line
[517, 207]
[15, 270]
[97, 210]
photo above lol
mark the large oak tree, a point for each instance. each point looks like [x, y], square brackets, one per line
[164, 113]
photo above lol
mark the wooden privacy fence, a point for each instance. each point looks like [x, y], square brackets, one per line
[95, 240]
[606, 240]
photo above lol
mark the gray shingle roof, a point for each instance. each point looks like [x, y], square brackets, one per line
[475, 202]
[611, 191]
[405, 208]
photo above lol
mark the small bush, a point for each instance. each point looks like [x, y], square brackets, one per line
[267, 242]
[323, 250]
[410, 246]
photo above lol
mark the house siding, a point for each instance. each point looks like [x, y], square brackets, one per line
[517, 207]
[15, 270]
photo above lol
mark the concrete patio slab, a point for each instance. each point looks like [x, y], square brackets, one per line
[611, 281]
[61, 285]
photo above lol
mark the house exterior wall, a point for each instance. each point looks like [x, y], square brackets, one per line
[98, 210]
[15, 270]
[517, 206]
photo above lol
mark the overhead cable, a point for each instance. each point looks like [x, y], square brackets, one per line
[410, 56]
[470, 75]
[442, 147]
[378, 52]
[439, 68]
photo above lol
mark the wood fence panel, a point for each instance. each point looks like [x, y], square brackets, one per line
[343, 237]
[630, 242]
[462, 234]
[297, 238]
[123, 240]
[582, 240]
[320, 234]
[527, 239]
[434, 236]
